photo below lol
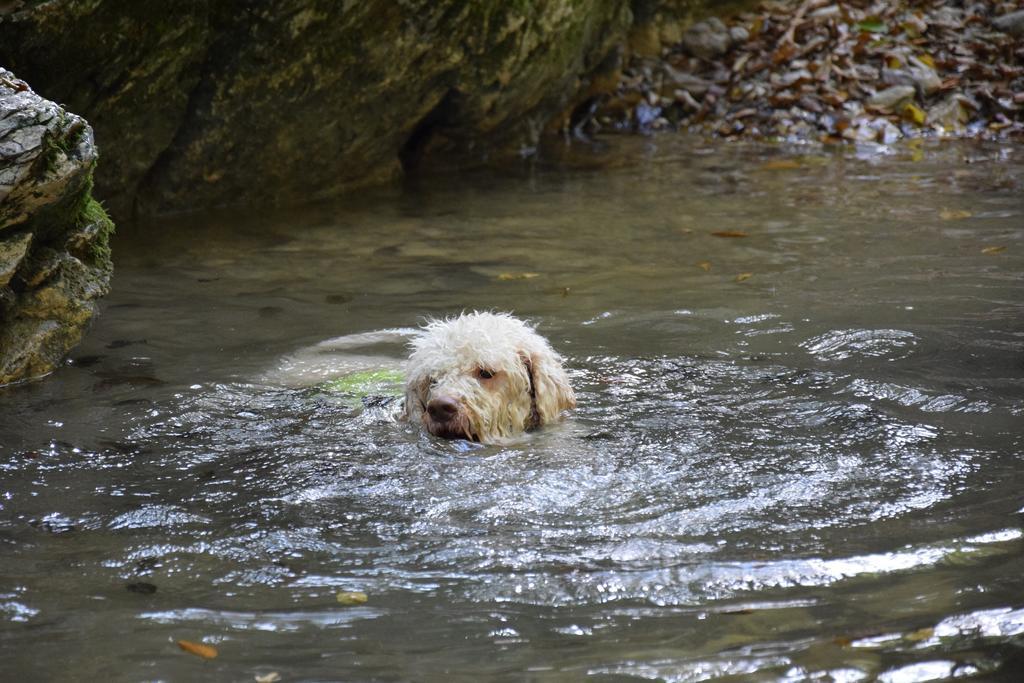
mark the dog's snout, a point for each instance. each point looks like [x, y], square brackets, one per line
[443, 408]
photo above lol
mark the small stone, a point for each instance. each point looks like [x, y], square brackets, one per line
[892, 98]
[694, 84]
[926, 80]
[921, 77]
[888, 133]
[950, 115]
[707, 39]
[715, 24]
[739, 35]
[950, 17]
[1012, 23]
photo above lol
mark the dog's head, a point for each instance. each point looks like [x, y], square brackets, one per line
[484, 377]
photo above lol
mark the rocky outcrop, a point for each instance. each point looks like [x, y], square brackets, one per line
[54, 237]
[202, 103]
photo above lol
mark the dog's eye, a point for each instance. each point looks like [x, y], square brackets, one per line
[484, 374]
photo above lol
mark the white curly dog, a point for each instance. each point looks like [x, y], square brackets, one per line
[478, 376]
[484, 377]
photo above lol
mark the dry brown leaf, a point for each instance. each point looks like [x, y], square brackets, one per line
[352, 597]
[783, 53]
[729, 233]
[704, 265]
[744, 276]
[993, 250]
[954, 214]
[198, 649]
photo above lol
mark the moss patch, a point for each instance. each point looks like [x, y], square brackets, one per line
[62, 144]
[92, 213]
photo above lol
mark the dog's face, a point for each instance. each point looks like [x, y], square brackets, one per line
[484, 377]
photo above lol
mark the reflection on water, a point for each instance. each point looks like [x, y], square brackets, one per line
[796, 453]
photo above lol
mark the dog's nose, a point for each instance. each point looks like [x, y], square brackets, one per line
[442, 408]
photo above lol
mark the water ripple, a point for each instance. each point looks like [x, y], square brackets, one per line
[844, 344]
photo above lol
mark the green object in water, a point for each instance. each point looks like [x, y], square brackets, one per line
[368, 383]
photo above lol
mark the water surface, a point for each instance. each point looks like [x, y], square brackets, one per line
[797, 452]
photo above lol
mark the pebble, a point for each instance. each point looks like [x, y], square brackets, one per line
[891, 98]
[1012, 23]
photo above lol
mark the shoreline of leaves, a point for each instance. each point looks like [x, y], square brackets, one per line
[832, 72]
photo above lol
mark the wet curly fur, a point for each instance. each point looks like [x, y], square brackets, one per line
[484, 377]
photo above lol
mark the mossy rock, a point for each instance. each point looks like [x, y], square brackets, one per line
[206, 105]
[55, 260]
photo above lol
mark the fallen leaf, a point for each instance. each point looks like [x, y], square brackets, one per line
[744, 276]
[843, 641]
[954, 214]
[993, 250]
[872, 25]
[729, 233]
[704, 265]
[910, 29]
[927, 59]
[914, 114]
[272, 677]
[756, 26]
[781, 165]
[783, 53]
[198, 649]
[352, 597]
[518, 276]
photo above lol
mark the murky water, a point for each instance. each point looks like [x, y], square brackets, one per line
[798, 453]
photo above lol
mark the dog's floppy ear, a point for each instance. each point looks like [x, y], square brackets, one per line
[549, 388]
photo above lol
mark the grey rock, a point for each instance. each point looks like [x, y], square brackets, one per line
[37, 135]
[54, 253]
[1012, 23]
[26, 347]
[738, 34]
[694, 84]
[891, 98]
[921, 77]
[707, 39]
[201, 103]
